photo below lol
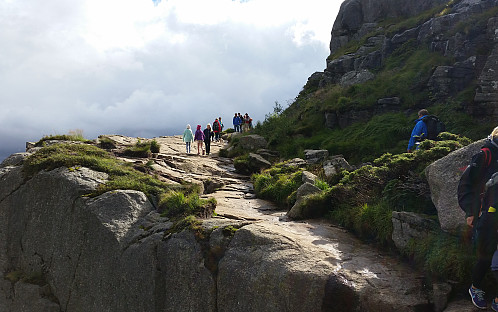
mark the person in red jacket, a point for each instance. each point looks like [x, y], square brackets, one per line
[216, 129]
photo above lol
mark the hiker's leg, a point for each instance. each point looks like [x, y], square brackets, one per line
[485, 246]
[208, 146]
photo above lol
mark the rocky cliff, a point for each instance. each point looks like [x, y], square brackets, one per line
[367, 33]
[61, 250]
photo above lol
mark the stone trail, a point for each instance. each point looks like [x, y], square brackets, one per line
[270, 263]
[377, 278]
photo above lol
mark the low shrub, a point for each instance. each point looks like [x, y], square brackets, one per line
[106, 143]
[154, 146]
[140, 150]
[442, 256]
[175, 203]
[76, 137]
[278, 185]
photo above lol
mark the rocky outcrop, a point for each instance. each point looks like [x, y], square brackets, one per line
[252, 142]
[315, 156]
[356, 18]
[299, 211]
[63, 251]
[473, 49]
[333, 166]
[443, 176]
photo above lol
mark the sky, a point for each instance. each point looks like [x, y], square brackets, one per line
[147, 68]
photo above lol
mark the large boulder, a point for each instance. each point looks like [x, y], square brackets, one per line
[315, 156]
[409, 225]
[252, 142]
[309, 177]
[267, 268]
[299, 211]
[443, 176]
[252, 164]
[333, 166]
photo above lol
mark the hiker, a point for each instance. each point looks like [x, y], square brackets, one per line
[208, 134]
[241, 121]
[199, 138]
[221, 124]
[236, 123]
[216, 129]
[188, 137]
[246, 121]
[419, 132]
[481, 214]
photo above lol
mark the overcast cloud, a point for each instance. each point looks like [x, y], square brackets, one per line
[148, 67]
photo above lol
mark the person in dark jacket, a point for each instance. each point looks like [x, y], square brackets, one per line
[216, 129]
[208, 134]
[481, 214]
[236, 123]
[419, 132]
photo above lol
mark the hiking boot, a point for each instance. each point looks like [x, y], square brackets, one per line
[494, 305]
[477, 296]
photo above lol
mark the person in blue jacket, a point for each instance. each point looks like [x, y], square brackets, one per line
[236, 123]
[419, 132]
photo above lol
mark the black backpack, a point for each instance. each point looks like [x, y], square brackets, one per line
[472, 186]
[434, 126]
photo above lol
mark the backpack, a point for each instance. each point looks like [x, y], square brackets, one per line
[472, 186]
[216, 126]
[434, 126]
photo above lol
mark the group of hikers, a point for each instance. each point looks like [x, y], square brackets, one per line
[203, 137]
[213, 134]
[242, 123]
[478, 197]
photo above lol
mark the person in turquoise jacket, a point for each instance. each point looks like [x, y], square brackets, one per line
[419, 132]
[188, 137]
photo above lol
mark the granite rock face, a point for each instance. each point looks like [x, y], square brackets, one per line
[443, 176]
[61, 250]
[473, 52]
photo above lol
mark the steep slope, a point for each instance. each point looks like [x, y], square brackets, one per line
[388, 60]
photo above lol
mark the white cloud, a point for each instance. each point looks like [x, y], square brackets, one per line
[144, 68]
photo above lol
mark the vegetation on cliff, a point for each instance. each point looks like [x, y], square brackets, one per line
[175, 201]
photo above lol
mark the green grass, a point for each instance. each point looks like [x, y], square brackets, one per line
[369, 221]
[121, 175]
[442, 256]
[175, 203]
[141, 150]
[278, 184]
[76, 136]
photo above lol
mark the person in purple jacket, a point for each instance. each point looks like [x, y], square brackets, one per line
[199, 138]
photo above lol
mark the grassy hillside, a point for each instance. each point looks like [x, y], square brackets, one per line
[404, 74]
